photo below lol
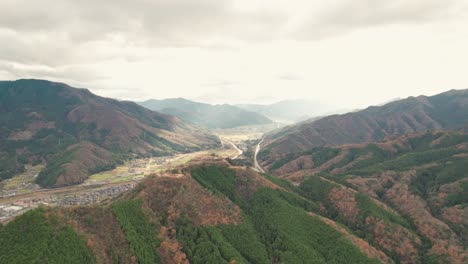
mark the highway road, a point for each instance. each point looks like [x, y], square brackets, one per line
[257, 165]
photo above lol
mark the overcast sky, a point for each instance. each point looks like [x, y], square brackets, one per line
[349, 53]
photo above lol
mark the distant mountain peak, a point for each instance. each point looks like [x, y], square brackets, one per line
[206, 115]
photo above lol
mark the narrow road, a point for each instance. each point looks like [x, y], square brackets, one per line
[238, 150]
[257, 149]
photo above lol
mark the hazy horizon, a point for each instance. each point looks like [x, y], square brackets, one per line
[324, 109]
[346, 54]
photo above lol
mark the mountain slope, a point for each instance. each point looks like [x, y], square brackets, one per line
[414, 114]
[76, 132]
[206, 115]
[422, 176]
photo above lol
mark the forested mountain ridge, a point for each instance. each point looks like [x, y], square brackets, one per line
[206, 115]
[447, 110]
[76, 132]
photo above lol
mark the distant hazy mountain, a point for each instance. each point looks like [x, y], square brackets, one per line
[206, 115]
[414, 114]
[290, 111]
[77, 133]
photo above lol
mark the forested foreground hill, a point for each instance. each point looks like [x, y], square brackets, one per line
[77, 133]
[216, 213]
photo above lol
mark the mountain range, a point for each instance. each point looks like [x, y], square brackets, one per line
[387, 184]
[447, 110]
[76, 132]
[206, 115]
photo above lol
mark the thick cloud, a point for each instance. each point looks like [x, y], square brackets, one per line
[53, 32]
[111, 43]
[341, 16]
[188, 22]
[167, 22]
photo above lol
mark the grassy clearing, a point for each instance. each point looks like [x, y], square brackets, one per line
[141, 167]
[113, 177]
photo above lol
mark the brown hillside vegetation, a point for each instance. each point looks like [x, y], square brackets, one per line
[86, 155]
[363, 245]
[184, 196]
[418, 178]
[343, 204]
[101, 232]
[445, 241]
[337, 164]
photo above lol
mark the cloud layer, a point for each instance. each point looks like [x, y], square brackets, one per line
[138, 48]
